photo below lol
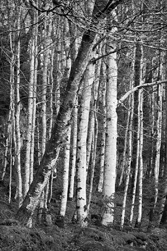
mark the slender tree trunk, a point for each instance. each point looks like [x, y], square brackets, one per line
[129, 157]
[103, 129]
[26, 180]
[44, 107]
[139, 158]
[51, 80]
[95, 88]
[93, 163]
[65, 174]
[81, 146]
[11, 120]
[124, 159]
[47, 43]
[111, 138]
[158, 143]
[17, 120]
[73, 150]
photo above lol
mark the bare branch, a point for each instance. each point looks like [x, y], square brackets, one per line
[136, 88]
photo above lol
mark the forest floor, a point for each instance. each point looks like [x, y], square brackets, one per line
[69, 236]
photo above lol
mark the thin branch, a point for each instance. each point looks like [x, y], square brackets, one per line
[136, 88]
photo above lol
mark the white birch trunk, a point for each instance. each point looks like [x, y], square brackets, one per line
[139, 218]
[93, 163]
[51, 94]
[111, 139]
[58, 69]
[81, 146]
[95, 88]
[35, 34]
[128, 143]
[44, 91]
[103, 135]
[139, 157]
[67, 145]
[162, 215]
[11, 120]
[65, 175]
[158, 143]
[73, 150]
[17, 122]
[124, 157]
[26, 181]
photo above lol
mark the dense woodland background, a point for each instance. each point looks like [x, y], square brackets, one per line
[83, 124]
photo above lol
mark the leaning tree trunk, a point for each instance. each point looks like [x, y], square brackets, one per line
[60, 128]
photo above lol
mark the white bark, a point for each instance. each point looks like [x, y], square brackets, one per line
[73, 150]
[65, 174]
[11, 121]
[139, 151]
[158, 143]
[93, 162]
[30, 120]
[128, 143]
[44, 90]
[95, 88]
[81, 146]
[51, 79]
[17, 121]
[139, 218]
[111, 139]
[124, 157]
[34, 99]
[102, 144]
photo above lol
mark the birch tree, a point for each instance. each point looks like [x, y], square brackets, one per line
[111, 136]
[103, 129]
[74, 128]
[26, 177]
[81, 205]
[139, 160]
[62, 122]
[67, 147]
[129, 139]
[17, 120]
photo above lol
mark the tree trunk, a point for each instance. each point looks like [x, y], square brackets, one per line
[93, 162]
[83, 118]
[19, 194]
[129, 144]
[73, 149]
[26, 177]
[111, 138]
[66, 160]
[103, 129]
